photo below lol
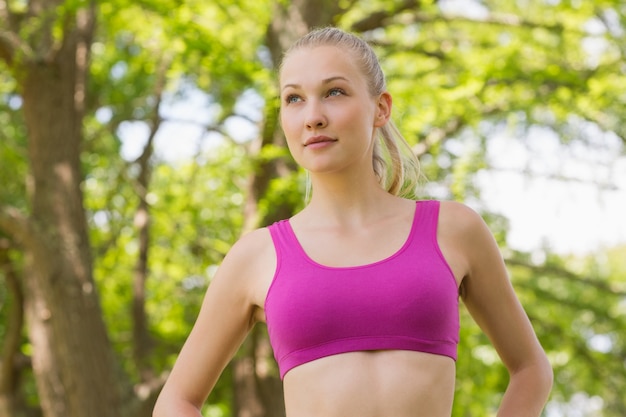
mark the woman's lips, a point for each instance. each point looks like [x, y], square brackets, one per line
[318, 141]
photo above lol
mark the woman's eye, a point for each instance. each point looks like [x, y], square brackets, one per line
[335, 92]
[292, 99]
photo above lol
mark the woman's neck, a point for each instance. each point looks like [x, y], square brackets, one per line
[338, 199]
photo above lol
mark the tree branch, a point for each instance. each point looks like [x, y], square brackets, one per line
[10, 41]
[599, 185]
[438, 135]
[379, 18]
[6, 41]
[498, 19]
[10, 44]
[557, 272]
[17, 226]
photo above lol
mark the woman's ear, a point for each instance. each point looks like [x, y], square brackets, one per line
[383, 109]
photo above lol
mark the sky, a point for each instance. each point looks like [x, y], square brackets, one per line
[570, 216]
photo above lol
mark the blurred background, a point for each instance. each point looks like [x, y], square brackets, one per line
[139, 140]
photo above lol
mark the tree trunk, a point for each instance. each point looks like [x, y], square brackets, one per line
[72, 357]
[149, 384]
[13, 362]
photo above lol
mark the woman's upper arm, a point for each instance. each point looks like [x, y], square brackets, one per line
[226, 316]
[488, 293]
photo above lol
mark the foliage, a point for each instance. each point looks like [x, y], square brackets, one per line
[13, 165]
[578, 307]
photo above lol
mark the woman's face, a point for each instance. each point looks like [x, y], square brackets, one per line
[327, 114]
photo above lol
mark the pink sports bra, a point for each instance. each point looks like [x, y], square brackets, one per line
[408, 301]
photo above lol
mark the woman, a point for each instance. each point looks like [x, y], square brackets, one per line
[359, 289]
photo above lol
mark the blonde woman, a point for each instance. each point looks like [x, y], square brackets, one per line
[360, 289]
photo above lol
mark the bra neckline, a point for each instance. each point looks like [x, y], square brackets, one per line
[305, 255]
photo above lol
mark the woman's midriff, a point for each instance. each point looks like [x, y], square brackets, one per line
[372, 384]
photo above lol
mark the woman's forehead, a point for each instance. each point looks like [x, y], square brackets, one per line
[308, 64]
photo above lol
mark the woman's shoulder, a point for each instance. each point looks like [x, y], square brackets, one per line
[463, 224]
[249, 265]
[251, 246]
[458, 216]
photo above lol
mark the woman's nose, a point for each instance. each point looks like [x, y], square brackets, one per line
[315, 117]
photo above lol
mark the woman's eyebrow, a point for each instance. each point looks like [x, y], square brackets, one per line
[324, 82]
[331, 79]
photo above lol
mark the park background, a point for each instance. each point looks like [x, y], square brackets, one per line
[139, 140]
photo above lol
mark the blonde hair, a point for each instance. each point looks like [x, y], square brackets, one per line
[394, 162]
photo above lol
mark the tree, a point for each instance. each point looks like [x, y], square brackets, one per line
[64, 317]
